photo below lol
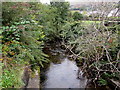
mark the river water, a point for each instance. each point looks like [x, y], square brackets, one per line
[61, 72]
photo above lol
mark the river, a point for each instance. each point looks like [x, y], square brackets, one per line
[62, 72]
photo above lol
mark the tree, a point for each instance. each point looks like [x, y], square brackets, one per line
[96, 46]
[12, 12]
[62, 9]
[77, 16]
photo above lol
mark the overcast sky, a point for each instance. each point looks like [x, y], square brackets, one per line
[48, 1]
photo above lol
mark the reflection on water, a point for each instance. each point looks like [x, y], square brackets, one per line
[62, 73]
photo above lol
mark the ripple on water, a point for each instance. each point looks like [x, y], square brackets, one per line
[64, 75]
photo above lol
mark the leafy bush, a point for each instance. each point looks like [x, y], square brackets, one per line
[22, 42]
[97, 49]
[77, 16]
[11, 78]
[14, 12]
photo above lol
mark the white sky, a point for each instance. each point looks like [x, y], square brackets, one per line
[48, 1]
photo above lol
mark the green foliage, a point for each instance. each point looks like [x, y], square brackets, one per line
[71, 30]
[26, 26]
[1, 65]
[22, 41]
[62, 10]
[58, 12]
[77, 16]
[11, 33]
[32, 39]
[14, 11]
[102, 81]
[11, 78]
[88, 44]
[111, 75]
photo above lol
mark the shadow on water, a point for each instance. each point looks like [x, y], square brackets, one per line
[61, 72]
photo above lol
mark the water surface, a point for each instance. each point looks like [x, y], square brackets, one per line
[62, 72]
